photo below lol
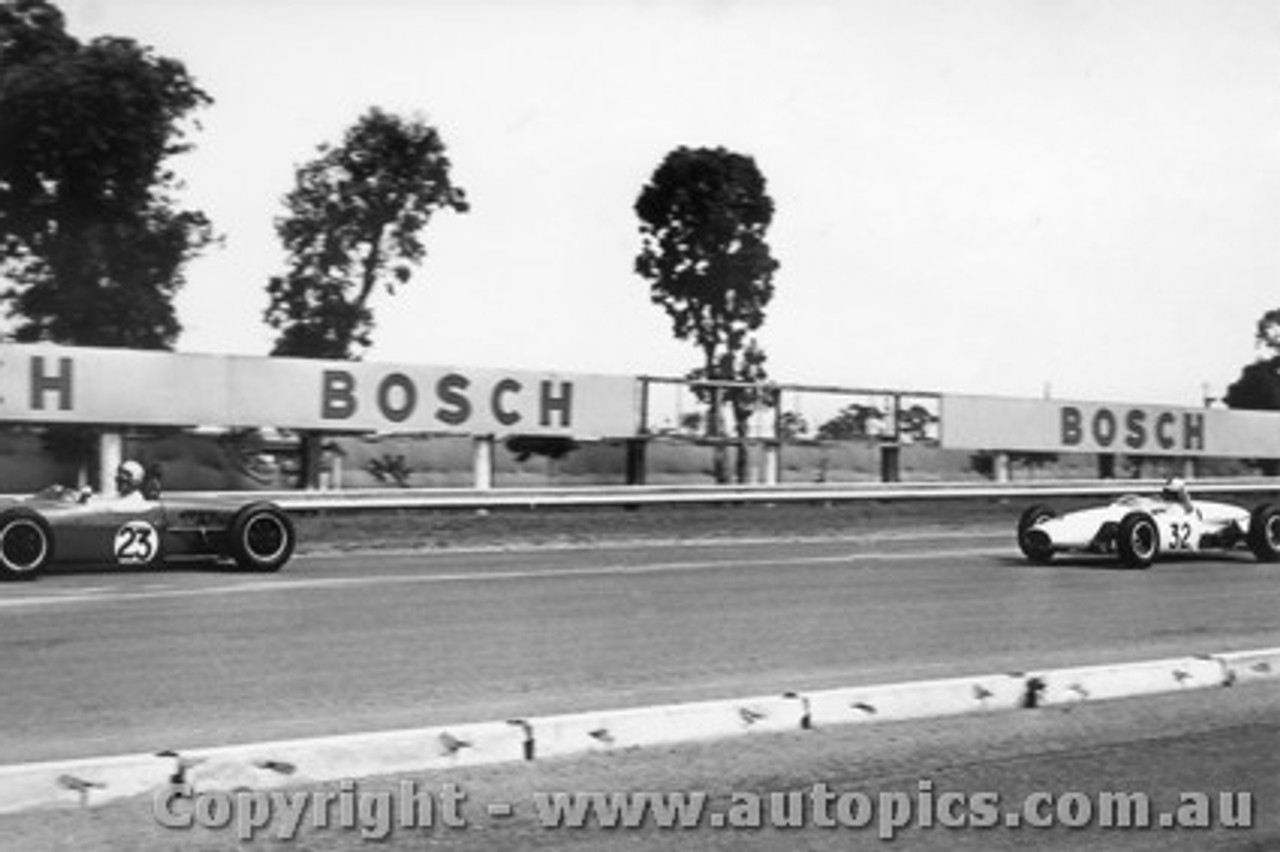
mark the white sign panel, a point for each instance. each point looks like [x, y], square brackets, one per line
[115, 386]
[1060, 426]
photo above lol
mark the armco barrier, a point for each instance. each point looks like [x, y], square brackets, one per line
[458, 498]
[263, 765]
[1244, 666]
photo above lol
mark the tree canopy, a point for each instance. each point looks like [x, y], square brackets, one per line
[1258, 387]
[704, 216]
[90, 233]
[856, 420]
[703, 220]
[353, 226]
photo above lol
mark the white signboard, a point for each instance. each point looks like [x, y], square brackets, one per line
[51, 384]
[1060, 426]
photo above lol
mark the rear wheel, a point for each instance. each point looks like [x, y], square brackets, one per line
[1264, 533]
[26, 544]
[262, 537]
[1034, 543]
[1137, 540]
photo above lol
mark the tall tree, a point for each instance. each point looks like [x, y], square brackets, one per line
[704, 217]
[1258, 387]
[90, 233]
[354, 222]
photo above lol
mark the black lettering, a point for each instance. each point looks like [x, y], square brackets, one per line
[1136, 429]
[562, 403]
[503, 415]
[1192, 431]
[1071, 431]
[449, 391]
[60, 384]
[409, 396]
[1104, 427]
[1163, 423]
[337, 395]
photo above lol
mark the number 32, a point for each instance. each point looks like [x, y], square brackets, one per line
[1180, 536]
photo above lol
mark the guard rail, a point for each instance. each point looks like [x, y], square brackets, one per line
[587, 496]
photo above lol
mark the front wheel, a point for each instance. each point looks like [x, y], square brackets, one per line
[1137, 540]
[26, 544]
[262, 537]
[1264, 533]
[1035, 544]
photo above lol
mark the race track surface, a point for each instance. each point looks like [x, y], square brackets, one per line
[102, 662]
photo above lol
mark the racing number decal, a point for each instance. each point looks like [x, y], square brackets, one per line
[1180, 536]
[136, 543]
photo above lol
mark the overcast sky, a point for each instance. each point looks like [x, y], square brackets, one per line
[984, 197]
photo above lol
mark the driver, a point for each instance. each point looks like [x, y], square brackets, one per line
[129, 477]
[1175, 491]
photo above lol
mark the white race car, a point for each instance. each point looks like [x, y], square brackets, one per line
[1141, 529]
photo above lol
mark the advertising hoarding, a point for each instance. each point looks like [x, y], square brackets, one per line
[1064, 426]
[53, 384]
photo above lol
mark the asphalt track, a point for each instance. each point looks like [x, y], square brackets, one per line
[99, 662]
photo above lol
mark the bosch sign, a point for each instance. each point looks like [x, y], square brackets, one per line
[42, 383]
[1132, 429]
[452, 400]
[1041, 425]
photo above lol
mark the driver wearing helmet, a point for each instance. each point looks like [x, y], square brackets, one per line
[1175, 491]
[129, 481]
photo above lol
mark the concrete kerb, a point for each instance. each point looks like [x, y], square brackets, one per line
[83, 782]
[1123, 680]
[93, 781]
[916, 700]
[1245, 666]
[608, 730]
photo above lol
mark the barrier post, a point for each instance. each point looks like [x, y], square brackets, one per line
[1000, 467]
[110, 454]
[331, 475]
[890, 463]
[1106, 466]
[772, 462]
[636, 451]
[310, 449]
[482, 462]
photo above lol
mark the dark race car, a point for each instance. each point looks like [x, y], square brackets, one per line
[64, 526]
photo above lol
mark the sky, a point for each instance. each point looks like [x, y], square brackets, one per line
[1012, 197]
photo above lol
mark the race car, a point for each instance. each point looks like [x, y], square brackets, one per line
[1140, 529]
[68, 526]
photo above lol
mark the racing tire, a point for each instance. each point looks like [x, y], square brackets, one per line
[1036, 548]
[26, 544]
[1264, 533]
[1137, 540]
[262, 537]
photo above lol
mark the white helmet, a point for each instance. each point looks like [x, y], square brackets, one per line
[1174, 489]
[131, 471]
